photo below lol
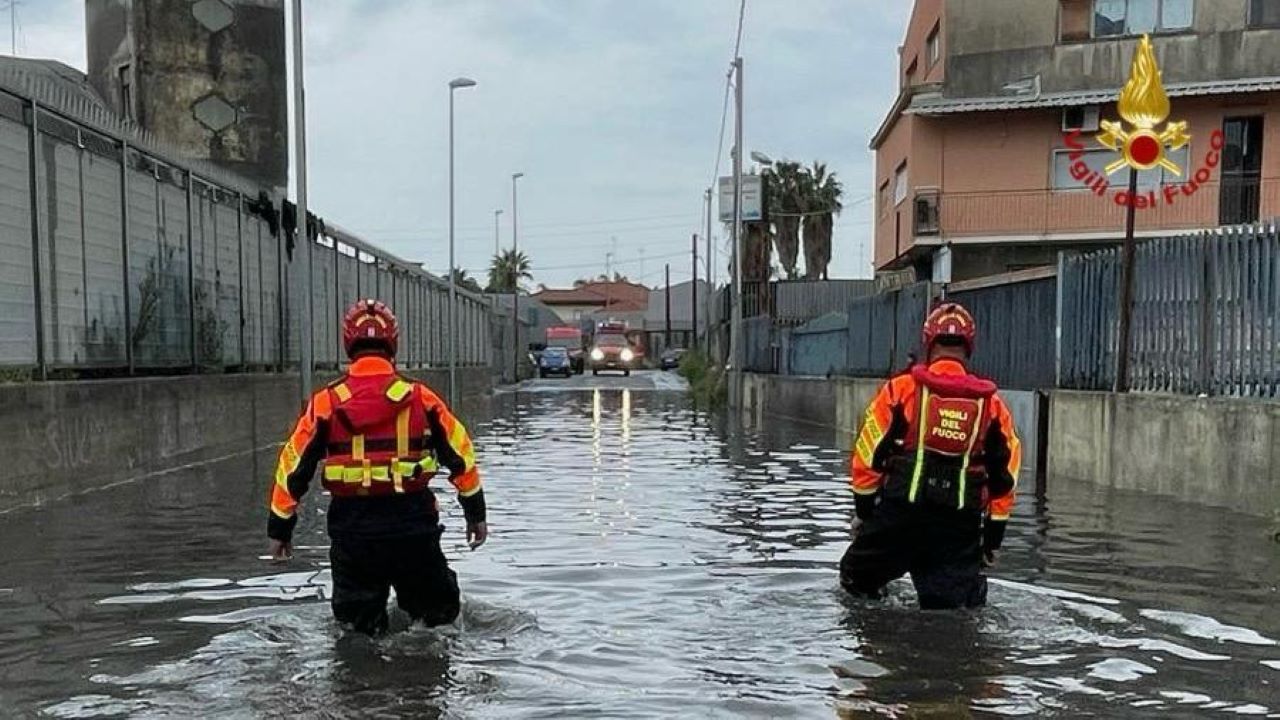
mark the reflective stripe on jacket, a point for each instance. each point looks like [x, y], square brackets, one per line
[955, 428]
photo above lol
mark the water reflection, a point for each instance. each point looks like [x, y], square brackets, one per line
[647, 560]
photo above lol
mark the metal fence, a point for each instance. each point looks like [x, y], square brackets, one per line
[116, 258]
[884, 330]
[1205, 316]
[800, 301]
[1017, 332]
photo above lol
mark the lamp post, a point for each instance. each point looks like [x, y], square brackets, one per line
[497, 245]
[515, 287]
[451, 333]
[305, 357]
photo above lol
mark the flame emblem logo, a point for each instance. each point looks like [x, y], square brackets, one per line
[1144, 105]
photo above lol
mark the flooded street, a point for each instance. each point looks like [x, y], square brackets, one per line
[641, 564]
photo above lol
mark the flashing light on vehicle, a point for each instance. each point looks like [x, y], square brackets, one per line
[627, 355]
[597, 354]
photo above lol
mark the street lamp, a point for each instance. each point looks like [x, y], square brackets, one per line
[454, 84]
[306, 364]
[515, 286]
[761, 158]
[497, 246]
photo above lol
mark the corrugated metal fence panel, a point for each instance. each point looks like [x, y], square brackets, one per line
[1016, 332]
[324, 337]
[64, 305]
[820, 347]
[17, 280]
[104, 262]
[227, 280]
[800, 301]
[175, 283]
[1088, 320]
[269, 290]
[757, 344]
[250, 287]
[204, 249]
[909, 313]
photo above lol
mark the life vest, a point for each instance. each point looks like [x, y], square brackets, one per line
[378, 438]
[941, 462]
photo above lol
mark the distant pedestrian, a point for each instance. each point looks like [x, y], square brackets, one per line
[934, 472]
[380, 438]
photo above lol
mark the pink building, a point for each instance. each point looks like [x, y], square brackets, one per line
[973, 155]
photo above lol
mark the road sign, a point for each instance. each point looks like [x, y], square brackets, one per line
[752, 198]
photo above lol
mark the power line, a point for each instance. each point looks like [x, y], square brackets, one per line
[579, 266]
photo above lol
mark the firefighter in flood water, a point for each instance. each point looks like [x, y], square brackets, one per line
[934, 472]
[380, 438]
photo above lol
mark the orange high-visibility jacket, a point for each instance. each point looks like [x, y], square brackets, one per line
[443, 442]
[889, 430]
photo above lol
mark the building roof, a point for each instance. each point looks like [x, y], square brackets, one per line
[936, 104]
[617, 294]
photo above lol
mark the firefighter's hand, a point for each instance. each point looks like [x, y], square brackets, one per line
[989, 558]
[477, 533]
[855, 528]
[281, 550]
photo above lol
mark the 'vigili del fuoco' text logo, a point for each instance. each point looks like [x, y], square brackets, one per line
[1143, 142]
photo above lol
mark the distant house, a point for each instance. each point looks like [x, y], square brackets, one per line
[596, 301]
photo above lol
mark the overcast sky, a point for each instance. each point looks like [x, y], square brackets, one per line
[611, 108]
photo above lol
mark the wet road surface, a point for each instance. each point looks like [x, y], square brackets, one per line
[642, 564]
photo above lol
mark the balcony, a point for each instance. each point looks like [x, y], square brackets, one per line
[1031, 214]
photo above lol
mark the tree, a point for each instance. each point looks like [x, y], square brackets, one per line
[787, 203]
[822, 192]
[461, 279]
[507, 270]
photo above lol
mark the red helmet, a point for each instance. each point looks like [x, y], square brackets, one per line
[370, 322]
[950, 320]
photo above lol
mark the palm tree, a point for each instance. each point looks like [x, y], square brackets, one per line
[822, 192]
[462, 280]
[507, 270]
[787, 204]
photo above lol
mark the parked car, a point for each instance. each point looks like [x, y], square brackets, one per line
[671, 358]
[555, 361]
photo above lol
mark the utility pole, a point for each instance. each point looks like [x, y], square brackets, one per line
[306, 362]
[13, 25]
[1126, 290]
[667, 335]
[452, 333]
[711, 281]
[735, 336]
[693, 302]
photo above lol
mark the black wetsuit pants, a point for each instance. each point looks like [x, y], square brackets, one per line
[365, 569]
[940, 547]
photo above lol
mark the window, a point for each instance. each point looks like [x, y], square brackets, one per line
[933, 47]
[900, 184]
[1113, 18]
[1097, 160]
[882, 198]
[126, 91]
[1264, 13]
[911, 71]
[1239, 195]
[1073, 19]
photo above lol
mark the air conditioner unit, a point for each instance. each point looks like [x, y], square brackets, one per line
[1083, 117]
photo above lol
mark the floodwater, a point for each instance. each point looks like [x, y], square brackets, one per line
[641, 565]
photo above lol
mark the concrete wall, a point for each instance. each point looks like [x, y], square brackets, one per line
[71, 437]
[840, 403]
[1214, 451]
